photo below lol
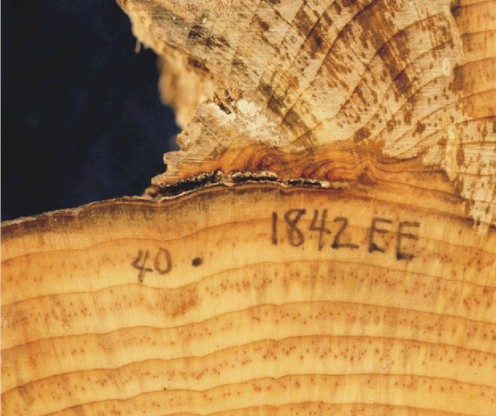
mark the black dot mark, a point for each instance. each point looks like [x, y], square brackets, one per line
[197, 261]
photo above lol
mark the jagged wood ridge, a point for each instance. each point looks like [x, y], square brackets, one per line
[318, 89]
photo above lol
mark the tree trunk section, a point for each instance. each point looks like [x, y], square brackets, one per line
[323, 243]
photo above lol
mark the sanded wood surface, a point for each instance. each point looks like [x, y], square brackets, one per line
[235, 301]
[323, 243]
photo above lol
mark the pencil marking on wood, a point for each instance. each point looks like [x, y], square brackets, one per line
[343, 238]
[197, 261]
[162, 263]
[337, 244]
[374, 229]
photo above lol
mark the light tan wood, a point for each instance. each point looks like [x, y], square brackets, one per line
[245, 322]
[323, 243]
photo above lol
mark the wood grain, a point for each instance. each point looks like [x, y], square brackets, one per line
[324, 242]
[325, 89]
[239, 325]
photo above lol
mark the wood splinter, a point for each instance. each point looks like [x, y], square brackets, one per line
[323, 242]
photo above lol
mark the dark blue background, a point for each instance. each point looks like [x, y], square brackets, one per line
[81, 113]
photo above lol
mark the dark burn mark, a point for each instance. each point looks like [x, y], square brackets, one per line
[304, 182]
[273, 2]
[250, 178]
[197, 64]
[191, 184]
[197, 261]
[218, 178]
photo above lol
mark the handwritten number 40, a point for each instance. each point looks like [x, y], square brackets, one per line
[162, 263]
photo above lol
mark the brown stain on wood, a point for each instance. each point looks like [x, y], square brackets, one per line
[179, 302]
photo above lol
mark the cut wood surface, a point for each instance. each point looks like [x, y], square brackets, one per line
[251, 299]
[323, 243]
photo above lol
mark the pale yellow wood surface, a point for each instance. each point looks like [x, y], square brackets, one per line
[324, 242]
[238, 325]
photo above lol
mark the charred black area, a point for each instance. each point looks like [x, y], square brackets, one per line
[219, 178]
